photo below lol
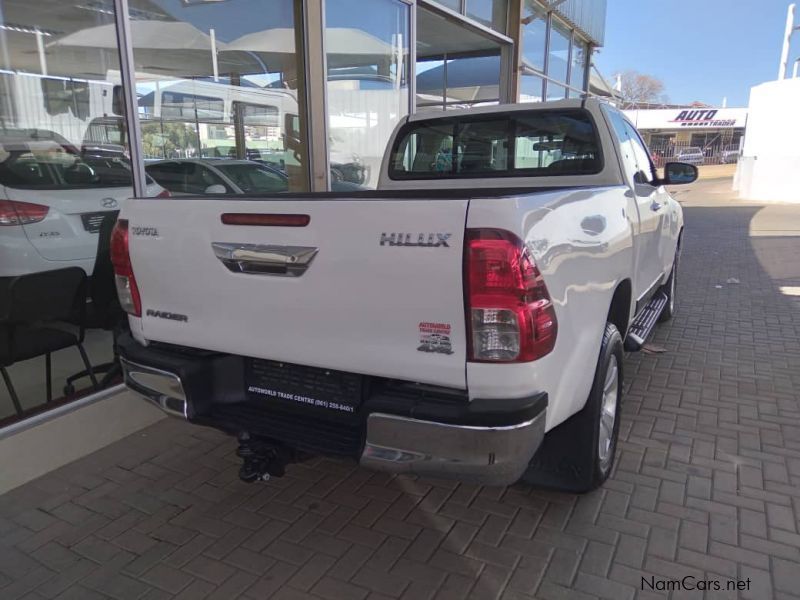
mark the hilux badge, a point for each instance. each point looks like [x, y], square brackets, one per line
[430, 240]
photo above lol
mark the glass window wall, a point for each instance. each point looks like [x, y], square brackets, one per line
[219, 82]
[564, 56]
[531, 88]
[577, 75]
[367, 53]
[64, 172]
[492, 13]
[534, 35]
[558, 55]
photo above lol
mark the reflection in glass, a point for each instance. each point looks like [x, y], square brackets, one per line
[64, 171]
[530, 88]
[492, 13]
[451, 4]
[367, 55]
[559, 52]
[219, 81]
[431, 89]
[555, 91]
[459, 82]
[534, 36]
[580, 54]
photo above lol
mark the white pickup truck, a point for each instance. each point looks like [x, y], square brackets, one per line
[467, 319]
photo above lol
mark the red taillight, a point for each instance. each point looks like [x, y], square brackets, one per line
[164, 194]
[21, 213]
[510, 316]
[123, 271]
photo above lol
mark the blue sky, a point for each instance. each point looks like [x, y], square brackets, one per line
[701, 49]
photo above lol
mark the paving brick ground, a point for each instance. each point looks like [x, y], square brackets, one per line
[707, 483]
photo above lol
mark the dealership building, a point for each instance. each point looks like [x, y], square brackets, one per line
[314, 87]
[707, 128]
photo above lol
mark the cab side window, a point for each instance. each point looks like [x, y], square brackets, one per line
[626, 146]
[646, 172]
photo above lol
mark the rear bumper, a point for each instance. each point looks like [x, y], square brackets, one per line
[489, 441]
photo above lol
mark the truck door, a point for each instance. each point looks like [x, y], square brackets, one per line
[660, 202]
[648, 267]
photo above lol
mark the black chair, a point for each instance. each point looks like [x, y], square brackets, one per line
[104, 310]
[36, 305]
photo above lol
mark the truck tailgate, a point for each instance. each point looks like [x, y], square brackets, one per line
[381, 296]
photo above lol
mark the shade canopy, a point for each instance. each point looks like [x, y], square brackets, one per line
[146, 35]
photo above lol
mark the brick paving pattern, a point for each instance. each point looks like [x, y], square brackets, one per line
[706, 484]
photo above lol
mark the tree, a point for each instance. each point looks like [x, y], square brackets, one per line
[162, 139]
[638, 89]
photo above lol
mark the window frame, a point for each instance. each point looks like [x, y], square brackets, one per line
[511, 171]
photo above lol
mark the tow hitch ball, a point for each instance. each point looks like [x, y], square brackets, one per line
[262, 458]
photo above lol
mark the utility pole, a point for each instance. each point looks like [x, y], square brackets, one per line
[787, 36]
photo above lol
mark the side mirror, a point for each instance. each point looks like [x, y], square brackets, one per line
[677, 173]
[217, 188]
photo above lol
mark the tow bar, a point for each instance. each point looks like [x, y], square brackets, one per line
[262, 458]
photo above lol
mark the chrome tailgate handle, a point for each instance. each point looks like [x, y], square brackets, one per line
[283, 261]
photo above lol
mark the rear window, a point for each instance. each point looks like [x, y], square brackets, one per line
[526, 144]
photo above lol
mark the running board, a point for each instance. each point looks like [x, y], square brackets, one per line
[645, 322]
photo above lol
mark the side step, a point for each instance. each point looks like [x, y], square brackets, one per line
[645, 322]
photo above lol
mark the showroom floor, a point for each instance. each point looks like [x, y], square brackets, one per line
[706, 485]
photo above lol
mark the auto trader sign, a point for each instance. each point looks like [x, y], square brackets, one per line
[680, 118]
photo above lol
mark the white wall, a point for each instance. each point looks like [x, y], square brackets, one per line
[63, 438]
[771, 153]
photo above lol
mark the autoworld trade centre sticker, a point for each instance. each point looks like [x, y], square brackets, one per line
[435, 337]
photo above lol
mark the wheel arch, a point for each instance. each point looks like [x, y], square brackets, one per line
[619, 311]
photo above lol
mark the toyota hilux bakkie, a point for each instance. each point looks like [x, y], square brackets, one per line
[466, 319]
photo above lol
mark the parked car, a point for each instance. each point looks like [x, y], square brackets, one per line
[689, 154]
[217, 176]
[729, 154]
[466, 320]
[52, 200]
[192, 176]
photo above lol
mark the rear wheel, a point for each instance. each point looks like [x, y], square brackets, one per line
[578, 455]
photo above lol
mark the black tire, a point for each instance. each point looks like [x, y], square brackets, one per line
[570, 458]
[670, 289]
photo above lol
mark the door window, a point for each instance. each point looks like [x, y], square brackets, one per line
[627, 153]
[645, 172]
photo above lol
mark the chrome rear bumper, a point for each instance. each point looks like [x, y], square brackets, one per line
[162, 388]
[488, 455]
[485, 455]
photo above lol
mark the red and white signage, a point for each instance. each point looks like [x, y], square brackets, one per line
[688, 118]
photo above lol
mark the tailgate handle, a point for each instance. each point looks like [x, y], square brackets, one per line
[257, 259]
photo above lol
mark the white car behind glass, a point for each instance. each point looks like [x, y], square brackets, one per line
[52, 200]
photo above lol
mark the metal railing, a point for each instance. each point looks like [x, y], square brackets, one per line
[713, 153]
